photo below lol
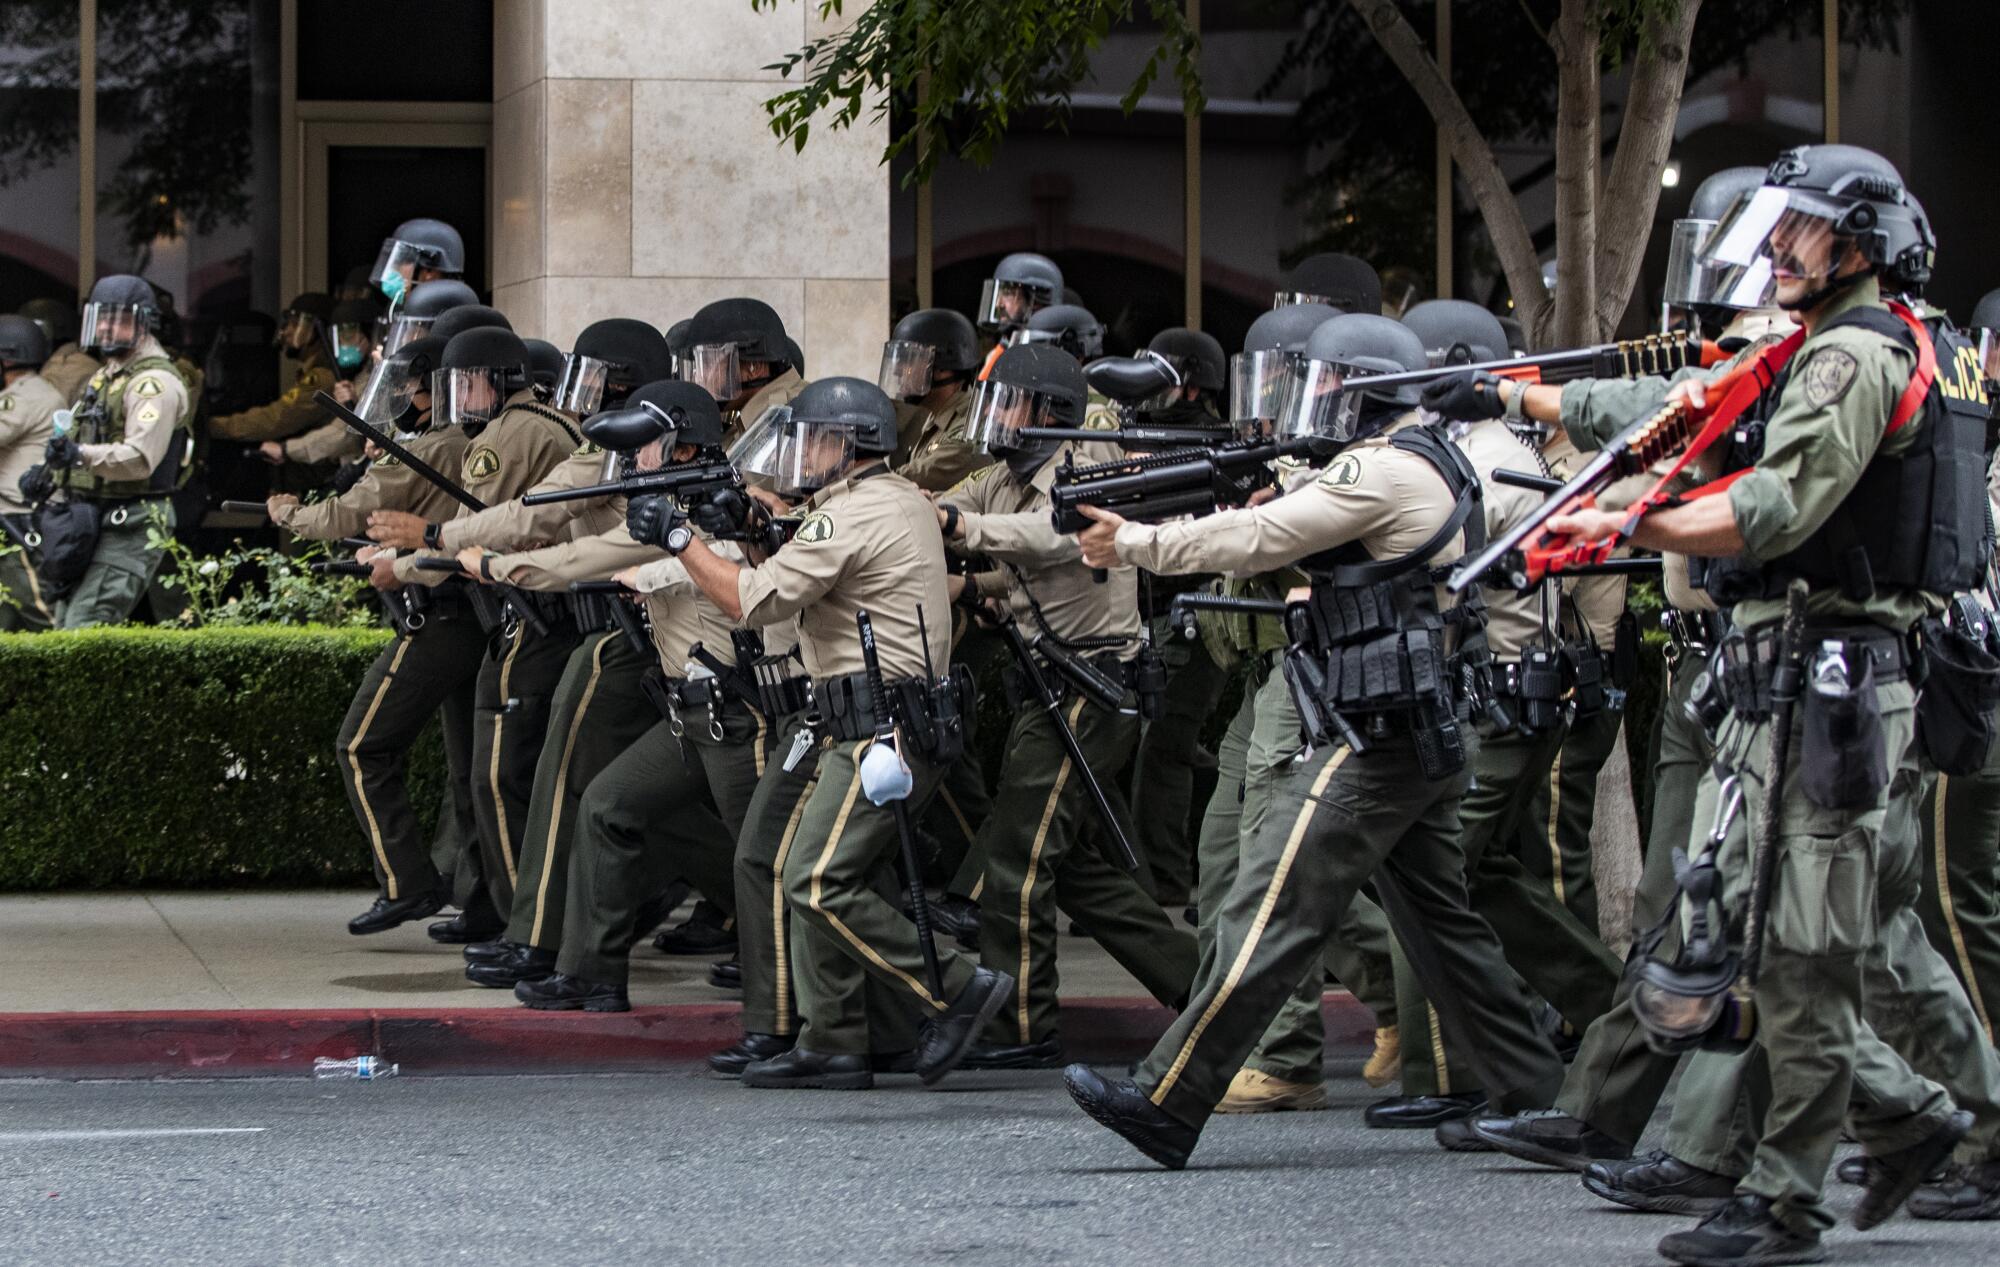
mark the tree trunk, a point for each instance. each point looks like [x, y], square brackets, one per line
[1632, 191]
[1579, 95]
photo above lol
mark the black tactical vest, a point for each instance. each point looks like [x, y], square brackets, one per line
[1916, 520]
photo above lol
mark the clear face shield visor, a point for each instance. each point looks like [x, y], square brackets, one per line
[1692, 283]
[394, 332]
[1315, 404]
[111, 327]
[906, 370]
[396, 268]
[1006, 305]
[585, 382]
[391, 389]
[795, 456]
[999, 413]
[1989, 354]
[716, 368]
[469, 396]
[1773, 241]
[1257, 382]
[296, 329]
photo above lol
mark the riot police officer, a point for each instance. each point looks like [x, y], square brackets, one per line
[69, 368]
[1022, 284]
[928, 365]
[28, 405]
[1341, 282]
[304, 334]
[739, 351]
[417, 251]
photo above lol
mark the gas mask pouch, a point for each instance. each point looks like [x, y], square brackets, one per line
[1843, 763]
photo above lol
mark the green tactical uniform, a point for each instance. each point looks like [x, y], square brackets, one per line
[1827, 936]
[69, 370]
[424, 672]
[1336, 818]
[131, 452]
[27, 412]
[1561, 959]
[294, 412]
[1036, 840]
[1961, 854]
[931, 449]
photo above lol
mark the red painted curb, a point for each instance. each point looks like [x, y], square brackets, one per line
[480, 1040]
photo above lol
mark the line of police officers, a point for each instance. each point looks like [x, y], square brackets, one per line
[1403, 795]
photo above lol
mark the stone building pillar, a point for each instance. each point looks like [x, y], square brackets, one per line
[634, 174]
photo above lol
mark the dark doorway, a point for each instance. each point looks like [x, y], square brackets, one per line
[373, 188]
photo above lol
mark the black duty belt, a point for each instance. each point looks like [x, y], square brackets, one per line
[1691, 634]
[1745, 660]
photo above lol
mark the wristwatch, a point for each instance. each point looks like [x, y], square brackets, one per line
[679, 536]
[432, 541]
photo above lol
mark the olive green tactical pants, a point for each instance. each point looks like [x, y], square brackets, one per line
[23, 604]
[1960, 906]
[964, 798]
[1552, 838]
[836, 877]
[1826, 941]
[510, 714]
[1558, 957]
[120, 569]
[1617, 1079]
[414, 677]
[1262, 740]
[660, 798]
[1333, 821]
[598, 711]
[1043, 851]
[1163, 775]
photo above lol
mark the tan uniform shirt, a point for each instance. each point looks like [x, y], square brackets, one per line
[1512, 620]
[934, 453]
[70, 370]
[870, 541]
[1388, 500]
[155, 402]
[1010, 523]
[293, 412]
[513, 526]
[509, 456]
[27, 420]
[669, 589]
[333, 442]
[387, 485]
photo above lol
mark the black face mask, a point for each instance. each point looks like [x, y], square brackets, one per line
[1184, 413]
[1023, 463]
[1376, 415]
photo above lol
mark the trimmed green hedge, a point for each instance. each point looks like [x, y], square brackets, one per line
[160, 757]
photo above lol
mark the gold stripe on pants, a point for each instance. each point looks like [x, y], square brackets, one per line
[354, 763]
[549, 852]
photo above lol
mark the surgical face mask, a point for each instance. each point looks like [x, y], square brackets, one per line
[393, 285]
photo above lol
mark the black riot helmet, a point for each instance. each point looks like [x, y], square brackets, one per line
[121, 309]
[795, 356]
[1986, 325]
[23, 343]
[1816, 202]
[1272, 346]
[1195, 356]
[56, 318]
[424, 304]
[304, 320]
[677, 345]
[680, 413]
[611, 359]
[1457, 332]
[545, 364]
[1022, 284]
[727, 335]
[806, 445]
[475, 376]
[1030, 385]
[1339, 281]
[1327, 390]
[456, 321]
[417, 246]
[929, 347]
[1070, 327]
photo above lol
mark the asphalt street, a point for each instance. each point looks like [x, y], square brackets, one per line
[681, 1168]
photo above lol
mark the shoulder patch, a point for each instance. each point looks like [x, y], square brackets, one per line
[483, 464]
[146, 387]
[815, 528]
[147, 413]
[1344, 473]
[1828, 375]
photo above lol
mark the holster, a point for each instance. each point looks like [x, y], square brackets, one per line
[1955, 711]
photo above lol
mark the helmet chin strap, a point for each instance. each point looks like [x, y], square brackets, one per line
[1834, 285]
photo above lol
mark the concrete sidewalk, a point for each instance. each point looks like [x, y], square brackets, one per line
[139, 984]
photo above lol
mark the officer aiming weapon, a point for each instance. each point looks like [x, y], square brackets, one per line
[1169, 485]
[686, 480]
[1131, 384]
[897, 800]
[1527, 553]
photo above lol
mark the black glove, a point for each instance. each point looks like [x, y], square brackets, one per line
[652, 519]
[721, 513]
[62, 452]
[1465, 397]
[36, 483]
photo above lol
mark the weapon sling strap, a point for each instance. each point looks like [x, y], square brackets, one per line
[1457, 475]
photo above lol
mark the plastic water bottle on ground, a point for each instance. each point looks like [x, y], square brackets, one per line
[365, 1068]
